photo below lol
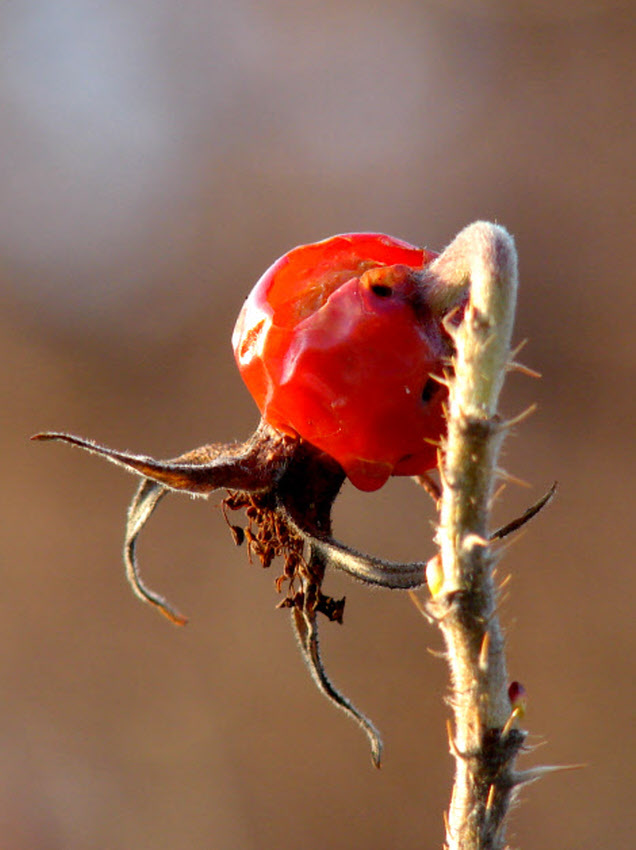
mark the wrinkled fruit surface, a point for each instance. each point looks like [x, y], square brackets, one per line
[337, 345]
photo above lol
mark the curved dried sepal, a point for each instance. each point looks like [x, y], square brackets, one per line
[145, 501]
[371, 570]
[367, 568]
[306, 628]
[240, 466]
[143, 504]
[174, 475]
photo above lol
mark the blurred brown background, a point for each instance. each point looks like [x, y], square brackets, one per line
[155, 158]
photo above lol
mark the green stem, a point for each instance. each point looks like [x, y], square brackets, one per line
[481, 262]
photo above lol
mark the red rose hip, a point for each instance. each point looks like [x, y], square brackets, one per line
[337, 345]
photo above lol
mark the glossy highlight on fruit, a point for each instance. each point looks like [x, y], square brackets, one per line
[337, 345]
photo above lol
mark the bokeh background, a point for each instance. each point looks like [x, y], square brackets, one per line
[155, 157]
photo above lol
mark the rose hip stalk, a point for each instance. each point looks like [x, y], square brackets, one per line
[341, 344]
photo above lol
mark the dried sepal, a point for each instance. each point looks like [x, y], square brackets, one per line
[286, 488]
[306, 628]
[393, 575]
[142, 506]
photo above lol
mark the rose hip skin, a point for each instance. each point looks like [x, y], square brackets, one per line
[336, 345]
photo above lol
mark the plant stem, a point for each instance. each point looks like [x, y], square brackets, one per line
[481, 262]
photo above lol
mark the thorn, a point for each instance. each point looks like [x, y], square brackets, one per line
[440, 379]
[454, 749]
[496, 495]
[451, 740]
[507, 476]
[489, 339]
[526, 777]
[505, 582]
[519, 348]
[527, 515]
[518, 697]
[440, 466]
[491, 798]
[513, 366]
[520, 417]
[483, 652]
[437, 653]
[516, 714]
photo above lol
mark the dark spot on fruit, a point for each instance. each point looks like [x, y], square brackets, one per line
[382, 290]
[430, 388]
